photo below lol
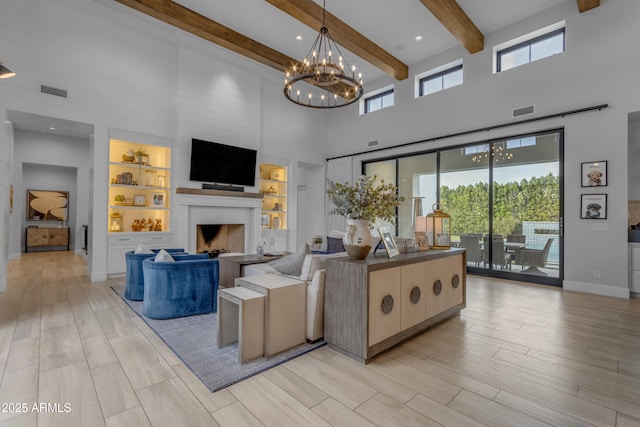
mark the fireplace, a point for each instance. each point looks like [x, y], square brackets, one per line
[206, 207]
[215, 239]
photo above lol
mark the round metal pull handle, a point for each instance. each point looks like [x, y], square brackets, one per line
[437, 287]
[415, 295]
[387, 304]
[455, 281]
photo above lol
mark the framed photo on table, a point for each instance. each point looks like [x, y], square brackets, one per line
[594, 174]
[265, 221]
[388, 241]
[593, 206]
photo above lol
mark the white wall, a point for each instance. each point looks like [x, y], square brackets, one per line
[48, 162]
[6, 156]
[599, 66]
[634, 158]
[135, 75]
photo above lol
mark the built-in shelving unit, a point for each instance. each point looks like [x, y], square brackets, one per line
[139, 200]
[139, 187]
[274, 221]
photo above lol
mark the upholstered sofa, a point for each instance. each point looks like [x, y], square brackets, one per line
[313, 274]
[134, 282]
[184, 287]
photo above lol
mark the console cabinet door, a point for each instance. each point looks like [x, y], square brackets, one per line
[58, 237]
[413, 290]
[37, 237]
[384, 304]
[442, 294]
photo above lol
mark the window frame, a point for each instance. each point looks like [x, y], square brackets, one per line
[500, 52]
[441, 75]
[378, 94]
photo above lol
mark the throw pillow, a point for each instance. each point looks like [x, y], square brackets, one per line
[142, 250]
[336, 233]
[163, 256]
[291, 265]
[315, 262]
[334, 245]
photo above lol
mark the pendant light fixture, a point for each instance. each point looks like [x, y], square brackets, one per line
[324, 79]
[5, 73]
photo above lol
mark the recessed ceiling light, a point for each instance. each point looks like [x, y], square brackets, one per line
[52, 128]
[418, 38]
[298, 38]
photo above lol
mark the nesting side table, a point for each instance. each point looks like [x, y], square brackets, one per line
[241, 320]
[284, 310]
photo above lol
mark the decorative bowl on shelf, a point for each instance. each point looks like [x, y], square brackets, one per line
[128, 155]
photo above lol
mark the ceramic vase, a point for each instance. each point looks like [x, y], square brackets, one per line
[357, 239]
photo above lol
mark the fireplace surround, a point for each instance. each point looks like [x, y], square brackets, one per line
[196, 207]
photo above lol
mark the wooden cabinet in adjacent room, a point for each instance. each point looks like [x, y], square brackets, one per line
[47, 238]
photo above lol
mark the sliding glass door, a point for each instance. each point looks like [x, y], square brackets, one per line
[526, 203]
[504, 197]
[464, 194]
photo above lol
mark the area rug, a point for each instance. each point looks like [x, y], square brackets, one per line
[194, 340]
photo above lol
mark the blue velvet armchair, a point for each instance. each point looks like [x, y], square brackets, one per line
[185, 287]
[134, 283]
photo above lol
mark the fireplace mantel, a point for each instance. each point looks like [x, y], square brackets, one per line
[223, 193]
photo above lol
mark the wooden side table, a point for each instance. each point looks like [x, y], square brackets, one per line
[284, 310]
[231, 266]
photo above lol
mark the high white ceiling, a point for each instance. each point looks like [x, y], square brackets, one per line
[392, 25]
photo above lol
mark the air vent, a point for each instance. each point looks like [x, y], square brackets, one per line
[372, 143]
[53, 91]
[523, 111]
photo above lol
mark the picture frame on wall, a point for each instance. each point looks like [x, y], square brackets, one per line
[47, 205]
[593, 206]
[388, 241]
[157, 200]
[594, 174]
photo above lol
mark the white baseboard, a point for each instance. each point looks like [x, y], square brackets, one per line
[98, 277]
[15, 256]
[593, 288]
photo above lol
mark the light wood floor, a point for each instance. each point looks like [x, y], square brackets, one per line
[517, 356]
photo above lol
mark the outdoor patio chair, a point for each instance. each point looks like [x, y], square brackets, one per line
[472, 244]
[533, 257]
[500, 256]
[515, 238]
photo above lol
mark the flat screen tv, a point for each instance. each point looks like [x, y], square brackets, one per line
[222, 164]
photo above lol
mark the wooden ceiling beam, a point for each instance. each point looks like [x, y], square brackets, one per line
[310, 13]
[179, 16]
[584, 5]
[454, 19]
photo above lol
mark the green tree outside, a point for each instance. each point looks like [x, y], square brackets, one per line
[535, 199]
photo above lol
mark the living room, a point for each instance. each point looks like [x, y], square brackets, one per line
[169, 101]
[517, 355]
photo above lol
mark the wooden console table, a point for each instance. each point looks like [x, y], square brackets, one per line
[374, 304]
[231, 266]
[40, 237]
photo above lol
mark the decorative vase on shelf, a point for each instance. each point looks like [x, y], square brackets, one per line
[357, 239]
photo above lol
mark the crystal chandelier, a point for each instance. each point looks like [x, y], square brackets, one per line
[322, 80]
[498, 152]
